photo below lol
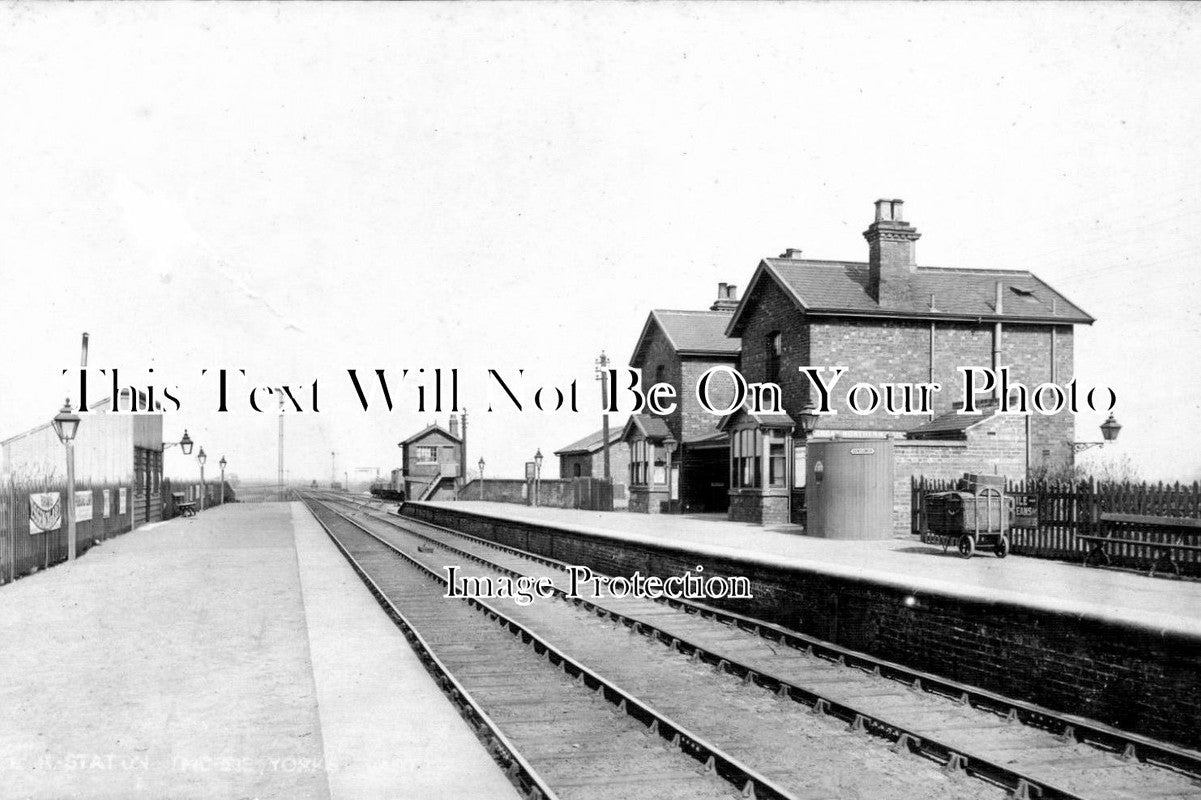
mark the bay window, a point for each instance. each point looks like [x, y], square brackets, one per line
[759, 458]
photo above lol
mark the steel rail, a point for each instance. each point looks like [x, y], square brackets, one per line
[750, 782]
[1068, 727]
[519, 771]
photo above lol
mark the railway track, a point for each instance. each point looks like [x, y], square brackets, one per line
[559, 729]
[1027, 750]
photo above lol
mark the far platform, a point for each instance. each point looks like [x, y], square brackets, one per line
[1158, 605]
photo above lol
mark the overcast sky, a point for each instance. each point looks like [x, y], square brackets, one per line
[295, 190]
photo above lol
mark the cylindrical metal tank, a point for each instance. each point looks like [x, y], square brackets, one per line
[849, 488]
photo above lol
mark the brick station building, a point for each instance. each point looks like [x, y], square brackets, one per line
[679, 462]
[889, 320]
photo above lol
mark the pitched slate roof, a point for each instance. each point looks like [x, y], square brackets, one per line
[592, 442]
[951, 425]
[651, 427]
[429, 429]
[691, 333]
[841, 288]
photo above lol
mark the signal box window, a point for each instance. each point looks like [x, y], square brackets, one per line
[426, 455]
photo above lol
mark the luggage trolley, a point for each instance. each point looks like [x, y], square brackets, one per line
[968, 519]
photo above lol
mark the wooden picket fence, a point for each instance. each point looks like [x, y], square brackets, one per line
[1068, 510]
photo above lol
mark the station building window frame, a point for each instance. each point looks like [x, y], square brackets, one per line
[425, 454]
[642, 454]
[759, 458]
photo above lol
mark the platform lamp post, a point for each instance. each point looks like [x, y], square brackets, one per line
[809, 418]
[184, 444]
[537, 473]
[481, 477]
[201, 457]
[66, 425]
[1110, 429]
[222, 464]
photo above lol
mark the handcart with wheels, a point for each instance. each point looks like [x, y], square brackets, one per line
[972, 520]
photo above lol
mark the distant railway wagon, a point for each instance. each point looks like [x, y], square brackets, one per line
[390, 489]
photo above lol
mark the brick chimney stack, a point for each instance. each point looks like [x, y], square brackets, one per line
[454, 426]
[727, 298]
[890, 242]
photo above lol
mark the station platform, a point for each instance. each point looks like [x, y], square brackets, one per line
[1161, 605]
[233, 654]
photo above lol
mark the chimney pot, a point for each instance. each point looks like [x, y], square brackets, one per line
[891, 259]
[454, 426]
[727, 298]
[793, 253]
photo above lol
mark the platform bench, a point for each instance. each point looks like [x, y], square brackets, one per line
[1179, 535]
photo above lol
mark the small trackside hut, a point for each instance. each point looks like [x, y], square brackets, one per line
[431, 462]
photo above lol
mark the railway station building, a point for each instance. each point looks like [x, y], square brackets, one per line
[888, 320]
[678, 463]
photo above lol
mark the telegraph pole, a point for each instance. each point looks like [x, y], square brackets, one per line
[333, 468]
[602, 375]
[280, 476]
[463, 449]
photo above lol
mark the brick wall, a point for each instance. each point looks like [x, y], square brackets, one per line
[568, 464]
[695, 420]
[1117, 674]
[751, 505]
[660, 352]
[644, 500]
[689, 419]
[1028, 350]
[995, 446]
[774, 311]
[592, 465]
[551, 492]
[899, 351]
[619, 463]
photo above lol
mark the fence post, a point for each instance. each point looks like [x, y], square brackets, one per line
[12, 531]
